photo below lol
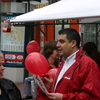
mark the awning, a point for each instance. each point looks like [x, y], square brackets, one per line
[64, 9]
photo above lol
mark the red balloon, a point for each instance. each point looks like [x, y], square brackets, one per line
[36, 63]
[32, 46]
[52, 72]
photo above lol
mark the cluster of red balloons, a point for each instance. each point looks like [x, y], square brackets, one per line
[35, 62]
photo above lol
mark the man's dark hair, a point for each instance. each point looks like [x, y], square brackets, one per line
[71, 34]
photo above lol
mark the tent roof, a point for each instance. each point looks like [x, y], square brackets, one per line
[64, 9]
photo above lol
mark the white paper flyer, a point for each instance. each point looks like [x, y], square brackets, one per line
[40, 83]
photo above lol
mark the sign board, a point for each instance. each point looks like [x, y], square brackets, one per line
[12, 44]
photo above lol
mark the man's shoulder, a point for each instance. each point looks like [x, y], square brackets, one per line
[87, 61]
[86, 58]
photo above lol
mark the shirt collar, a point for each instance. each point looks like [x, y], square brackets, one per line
[71, 57]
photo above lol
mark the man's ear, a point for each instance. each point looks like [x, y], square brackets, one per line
[73, 43]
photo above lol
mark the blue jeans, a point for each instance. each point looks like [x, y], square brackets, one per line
[27, 87]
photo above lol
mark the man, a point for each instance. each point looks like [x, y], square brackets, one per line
[8, 90]
[78, 77]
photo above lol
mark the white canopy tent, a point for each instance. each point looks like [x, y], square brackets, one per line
[64, 9]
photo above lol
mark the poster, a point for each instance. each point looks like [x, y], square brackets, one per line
[12, 44]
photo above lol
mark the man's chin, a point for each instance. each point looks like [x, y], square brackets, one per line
[60, 54]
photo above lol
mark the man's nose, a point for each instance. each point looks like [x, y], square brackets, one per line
[58, 44]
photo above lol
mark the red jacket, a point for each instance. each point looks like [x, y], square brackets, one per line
[81, 81]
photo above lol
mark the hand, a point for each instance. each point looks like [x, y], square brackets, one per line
[47, 80]
[55, 96]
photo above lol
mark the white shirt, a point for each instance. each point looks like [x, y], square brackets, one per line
[68, 62]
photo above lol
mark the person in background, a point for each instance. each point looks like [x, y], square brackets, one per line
[51, 54]
[8, 90]
[27, 88]
[78, 76]
[91, 50]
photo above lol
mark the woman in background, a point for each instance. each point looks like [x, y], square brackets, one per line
[51, 54]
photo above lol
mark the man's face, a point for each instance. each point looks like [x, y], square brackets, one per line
[1, 69]
[64, 46]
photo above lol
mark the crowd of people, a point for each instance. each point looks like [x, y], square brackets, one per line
[78, 67]
[77, 77]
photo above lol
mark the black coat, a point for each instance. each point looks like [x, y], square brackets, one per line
[10, 89]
